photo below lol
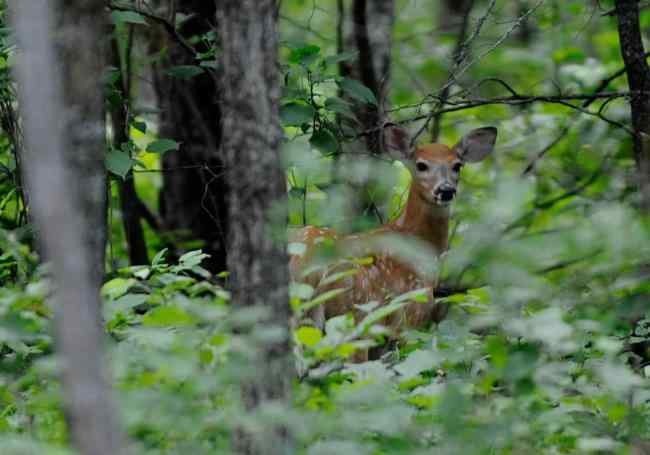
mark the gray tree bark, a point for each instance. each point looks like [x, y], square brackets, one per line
[194, 197]
[62, 106]
[638, 76]
[251, 143]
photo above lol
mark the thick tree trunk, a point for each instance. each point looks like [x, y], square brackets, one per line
[130, 203]
[83, 69]
[638, 76]
[193, 200]
[62, 105]
[251, 143]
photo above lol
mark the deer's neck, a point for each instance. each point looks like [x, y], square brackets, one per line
[424, 221]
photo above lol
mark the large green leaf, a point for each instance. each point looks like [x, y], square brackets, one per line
[339, 106]
[119, 163]
[324, 141]
[162, 146]
[295, 114]
[304, 55]
[357, 90]
[128, 17]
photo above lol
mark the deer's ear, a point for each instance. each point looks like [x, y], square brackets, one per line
[396, 141]
[477, 144]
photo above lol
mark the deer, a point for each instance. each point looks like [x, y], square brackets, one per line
[435, 170]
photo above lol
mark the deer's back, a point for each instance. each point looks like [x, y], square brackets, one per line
[375, 277]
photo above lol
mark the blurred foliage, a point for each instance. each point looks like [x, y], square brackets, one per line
[545, 353]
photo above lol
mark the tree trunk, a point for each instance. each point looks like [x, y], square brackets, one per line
[251, 142]
[193, 200]
[459, 56]
[638, 76]
[451, 14]
[130, 203]
[62, 106]
[369, 31]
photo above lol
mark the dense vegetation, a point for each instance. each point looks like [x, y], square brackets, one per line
[545, 349]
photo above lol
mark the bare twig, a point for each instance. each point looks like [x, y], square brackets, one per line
[463, 69]
[459, 55]
[612, 12]
[531, 165]
[519, 100]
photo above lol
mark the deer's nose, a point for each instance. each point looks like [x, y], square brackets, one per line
[446, 193]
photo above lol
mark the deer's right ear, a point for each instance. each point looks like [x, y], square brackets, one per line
[477, 144]
[396, 142]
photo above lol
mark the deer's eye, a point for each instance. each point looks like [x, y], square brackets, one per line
[422, 167]
[457, 167]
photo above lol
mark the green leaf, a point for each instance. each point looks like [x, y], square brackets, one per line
[309, 336]
[339, 106]
[119, 163]
[159, 258]
[129, 301]
[358, 91]
[140, 126]
[296, 248]
[301, 291]
[184, 71]
[342, 57]
[323, 298]
[192, 259]
[324, 141]
[295, 114]
[417, 362]
[128, 17]
[163, 316]
[117, 287]
[304, 55]
[162, 146]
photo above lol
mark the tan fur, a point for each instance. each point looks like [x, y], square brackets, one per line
[386, 276]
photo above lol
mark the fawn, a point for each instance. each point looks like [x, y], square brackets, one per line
[435, 171]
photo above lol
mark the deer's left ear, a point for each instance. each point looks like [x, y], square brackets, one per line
[477, 144]
[396, 142]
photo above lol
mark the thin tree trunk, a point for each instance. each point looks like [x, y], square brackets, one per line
[369, 31]
[638, 76]
[251, 141]
[451, 13]
[526, 30]
[194, 197]
[130, 203]
[460, 55]
[62, 106]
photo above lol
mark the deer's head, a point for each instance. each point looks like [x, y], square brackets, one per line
[436, 167]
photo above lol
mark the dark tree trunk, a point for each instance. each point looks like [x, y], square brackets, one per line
[368, 29]
[193, 200]
[526, 30]
[130, 203]
[638, 76]
[460, 55]
[451, 14]
[62, 106]
[372, 28]
[251, 142]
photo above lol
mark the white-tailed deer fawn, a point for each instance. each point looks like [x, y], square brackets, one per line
[435, 170]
